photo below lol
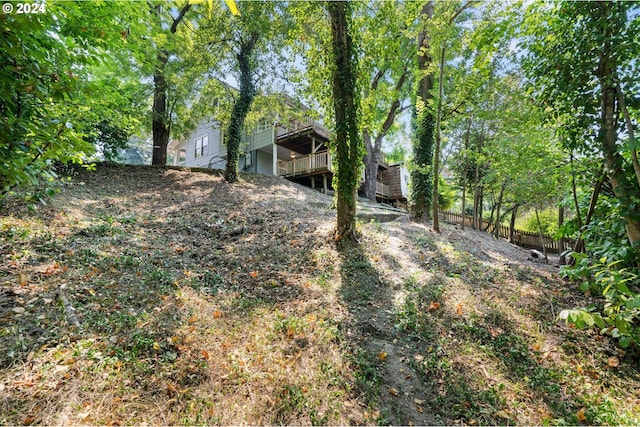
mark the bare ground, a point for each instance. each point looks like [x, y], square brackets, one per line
[204, 303]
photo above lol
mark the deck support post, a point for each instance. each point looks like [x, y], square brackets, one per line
[324, 183]
[274, 158]
[313, 182]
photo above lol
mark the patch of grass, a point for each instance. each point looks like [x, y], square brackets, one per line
[368, 379]
[415, 314]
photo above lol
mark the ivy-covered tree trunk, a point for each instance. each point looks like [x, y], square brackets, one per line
[347, 145]
[159, 120]
[241, 107]
[422, 172]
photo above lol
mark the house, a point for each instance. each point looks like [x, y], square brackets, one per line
[296, 150]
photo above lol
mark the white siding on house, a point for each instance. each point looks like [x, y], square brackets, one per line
[216, 149]
[258, 139]
[264, 164]
[404, 181]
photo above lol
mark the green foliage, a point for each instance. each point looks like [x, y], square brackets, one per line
[619, 315]
[608, 269]
[397, 154]
[108, 137]
[446, 194]
[53, 88]
[548, 221]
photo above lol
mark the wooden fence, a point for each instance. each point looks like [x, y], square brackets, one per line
[521, 238]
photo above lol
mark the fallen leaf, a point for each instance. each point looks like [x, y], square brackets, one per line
[205, 354]
[18, 310]
[418, 358]
[28, 421]
[217, 314]
[418, 401]
[433, 305]
[382, 356]
[503, 414]
[84, 415]
[193, 319]
[613, 362]
[535, 347]
[22, 279]
[459, 308]
[394, 391]
[420, 409]
[579, 369]
[156, 346]
[581, 416]
[253, 274]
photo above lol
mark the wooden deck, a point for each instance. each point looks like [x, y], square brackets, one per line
[311, 164]
[302, 136]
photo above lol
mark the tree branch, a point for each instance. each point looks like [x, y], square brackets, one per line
[176, 21]
[462, 9]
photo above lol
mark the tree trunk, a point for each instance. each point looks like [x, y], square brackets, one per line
[241, 108]
[607, 135]
[575, 194]
[436, 157]
[159, 119]
[496, 230]
[476, 198]
[512, 223]
[493, 211]
[544, 248]
[632, 138]
[560, 215]
[464, 173]
[422, 173]
[347, 141]
[373, 151]
[579, 244]
[371, 163]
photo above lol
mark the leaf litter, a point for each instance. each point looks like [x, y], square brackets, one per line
[200, 302]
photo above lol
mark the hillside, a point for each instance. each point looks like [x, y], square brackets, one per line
[158, 296]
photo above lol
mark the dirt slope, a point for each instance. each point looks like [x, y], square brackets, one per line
[198, 302]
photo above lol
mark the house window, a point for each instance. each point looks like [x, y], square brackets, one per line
[202, 146]
[182, 155]
[263, 125]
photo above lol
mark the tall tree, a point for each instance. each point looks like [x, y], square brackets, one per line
[424, 122]
[563, 40]
[167, 45]
[386, 72]
[348, 145]
[49, 90]
[240, 49]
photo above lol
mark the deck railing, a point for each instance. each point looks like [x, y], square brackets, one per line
[294, 127]
[305, 165]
